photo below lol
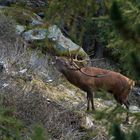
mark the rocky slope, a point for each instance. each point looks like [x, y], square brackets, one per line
[31, 84]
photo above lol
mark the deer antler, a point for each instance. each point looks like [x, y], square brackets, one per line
[76, 55]
[76, 59]
[72, 61]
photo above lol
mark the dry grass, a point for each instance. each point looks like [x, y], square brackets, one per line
[32, 98]
[34, 105]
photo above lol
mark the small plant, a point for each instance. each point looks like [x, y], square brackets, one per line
[7, 29]
[10, 126]
[118, 133]
[39, 133]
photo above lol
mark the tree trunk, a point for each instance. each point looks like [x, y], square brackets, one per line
[99, 45]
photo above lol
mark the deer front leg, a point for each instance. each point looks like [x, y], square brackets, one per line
[92, 104]
[88, 102]
[92, 101]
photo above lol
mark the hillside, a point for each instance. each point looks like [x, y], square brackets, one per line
[36, 100]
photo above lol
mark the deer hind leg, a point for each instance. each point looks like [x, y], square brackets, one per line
[124, 101]
[92, 102]
[127, 104]
[88, 102]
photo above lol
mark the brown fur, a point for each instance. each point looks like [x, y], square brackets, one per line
[85, 79]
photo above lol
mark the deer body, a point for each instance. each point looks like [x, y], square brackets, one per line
[87, 79]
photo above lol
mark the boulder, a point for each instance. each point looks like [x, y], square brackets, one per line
[20, 29]
[134, 109]
[36, 20]
[31, 3]
[62, 44]
[37, 3]
[7, 2]
[88, 123]
[35, 34]
[41, 14]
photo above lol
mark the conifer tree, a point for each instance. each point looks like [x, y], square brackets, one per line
[79, 21]
[117, 133]
[128, 27]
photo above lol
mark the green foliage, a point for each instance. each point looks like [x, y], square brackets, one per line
[22, 15]
[122, 24]
[135, 136]
[73, 14]
[79, 20]
[125, 42]
[136, 63]
[118, 134]
[100, 115]
[115, 14]
[111, 114]
[9, 126]
[39, 133]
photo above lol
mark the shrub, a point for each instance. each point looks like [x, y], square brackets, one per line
[12, 128]
[118, 133]
[7, 29]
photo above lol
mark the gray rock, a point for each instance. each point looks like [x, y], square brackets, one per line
[20, 29]
[41, 14]
[63, 44]
[35, 34]
[89, 123]
[37, 3]
[2, 7]
[134, 109]
[7, 2]
[5, 85]
[35, 22]
[108, 103]
[23, 71]
[31, 3]
[134, 96]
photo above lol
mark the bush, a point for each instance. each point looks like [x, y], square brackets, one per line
[13, 129]
[7, 29]
[118, 133]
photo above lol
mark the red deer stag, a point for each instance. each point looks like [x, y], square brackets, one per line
[92, 79]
